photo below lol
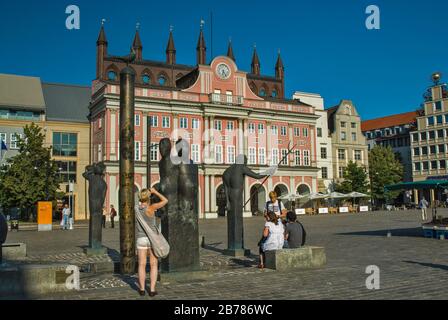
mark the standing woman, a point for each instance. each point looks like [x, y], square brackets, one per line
[144, 249]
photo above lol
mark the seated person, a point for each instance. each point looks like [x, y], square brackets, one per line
[294, 231]
[273, 236]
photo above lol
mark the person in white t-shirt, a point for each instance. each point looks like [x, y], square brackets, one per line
[275, 205]
[65, 217]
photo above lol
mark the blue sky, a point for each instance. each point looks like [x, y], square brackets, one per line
[325, 45]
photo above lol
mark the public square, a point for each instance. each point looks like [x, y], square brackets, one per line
[411, 266]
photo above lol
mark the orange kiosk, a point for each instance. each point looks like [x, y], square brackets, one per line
[44, 216]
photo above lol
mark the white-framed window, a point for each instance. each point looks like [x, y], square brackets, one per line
[341, 172]
[183, 123]
[195, 123]
[305, 132]
[230, 154]
[341, 154]
[251, 127]
[154, 121]
[230, 125]
[285, 157]
[283, 131]
[218, 153]
[274, 130]
[218, 125]
[100, 152]
[195, 153]
[14, 139]
[274, 157]
[353, 136]
[358, 155]
[137, 150]
[324, 173]
[306, 157]
[137, 120]
[252, 156]
[154, 154]
[297, 161]
[166, 122]
[260, 128]
[261, 156]
[297, 131]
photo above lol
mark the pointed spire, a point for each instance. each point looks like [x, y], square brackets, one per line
[101, 51]
[102, 36]
[279, 68]
[255, 62]
[171, 49]
[230, 51]
[201, 48]
[137, 44]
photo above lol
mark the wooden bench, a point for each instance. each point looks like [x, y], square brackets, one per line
[306, 257]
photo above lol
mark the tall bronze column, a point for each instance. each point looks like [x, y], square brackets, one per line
[126, 197]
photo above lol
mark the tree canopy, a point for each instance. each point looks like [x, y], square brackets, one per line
[31, 175]
[355, 179]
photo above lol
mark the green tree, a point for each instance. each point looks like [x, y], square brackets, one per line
[31, 175]
[355, 179]
[384, 168]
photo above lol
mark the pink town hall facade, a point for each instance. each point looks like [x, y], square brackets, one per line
[220, 110]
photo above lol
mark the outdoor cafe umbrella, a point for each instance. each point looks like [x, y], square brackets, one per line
[337, 195]
[291, 197]
[355, 194]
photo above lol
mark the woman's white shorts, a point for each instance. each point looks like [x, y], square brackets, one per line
[143, 243]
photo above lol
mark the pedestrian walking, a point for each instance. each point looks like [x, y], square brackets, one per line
[104, 217]
[113, 214]
[65, 217]
[424, 206]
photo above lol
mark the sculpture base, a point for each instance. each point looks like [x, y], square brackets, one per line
[237, 252]
[95, 251]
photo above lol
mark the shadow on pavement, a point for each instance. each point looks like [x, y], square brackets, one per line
[430, 265]
[409, 232]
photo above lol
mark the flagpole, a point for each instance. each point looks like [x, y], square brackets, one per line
[267, 177]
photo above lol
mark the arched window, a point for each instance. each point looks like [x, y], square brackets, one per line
[162, 80]
[262, 92]
[146, 78]
[274, 93]
[112, 75]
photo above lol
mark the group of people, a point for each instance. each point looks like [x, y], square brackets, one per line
[112, 214]
[281, 230]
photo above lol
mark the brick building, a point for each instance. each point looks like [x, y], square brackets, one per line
[219, 109]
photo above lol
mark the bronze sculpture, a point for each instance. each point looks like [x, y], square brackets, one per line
[3, 234]
[179, 184]
[97, 193]
[233, 179]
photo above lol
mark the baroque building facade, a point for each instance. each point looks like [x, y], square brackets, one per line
[219, 109]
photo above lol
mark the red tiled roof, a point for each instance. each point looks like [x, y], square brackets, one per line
[389, 121]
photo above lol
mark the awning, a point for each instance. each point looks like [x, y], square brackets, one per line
[425, 184]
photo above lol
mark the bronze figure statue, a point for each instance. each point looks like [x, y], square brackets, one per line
[97, 194]
[233, 179]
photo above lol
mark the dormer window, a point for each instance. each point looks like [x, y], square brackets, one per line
[146, 79]
[162, 80]
[112, 75]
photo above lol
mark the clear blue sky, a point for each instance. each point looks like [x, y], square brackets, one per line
[324, 43]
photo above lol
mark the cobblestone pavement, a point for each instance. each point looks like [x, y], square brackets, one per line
[411, 267]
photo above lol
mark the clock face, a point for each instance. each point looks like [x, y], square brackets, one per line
[223, 71]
